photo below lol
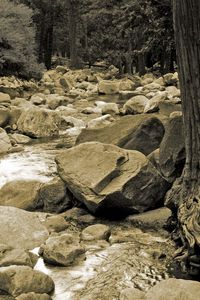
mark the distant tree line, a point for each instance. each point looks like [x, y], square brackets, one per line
[130, 34]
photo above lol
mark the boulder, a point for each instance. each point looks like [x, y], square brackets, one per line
[5, 144]
[4, 116]
[21, 229]
[153, 87]
[37, 122]
[16, 280]
[108, 87]
[153, 103]
[173, 92]
[56, 223]
[174, 289]
[10, 256]
[153, 219]
[33, 296]
[172, 149]
[107, 178]
[53, 196]
[140, 132]
[62, 249]
[135, 105]
[126, 85]
[95, 232]
[110, 108]
[54, 100]
[21, 194]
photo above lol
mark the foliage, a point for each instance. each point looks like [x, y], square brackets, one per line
[121, 32]
[17, 41]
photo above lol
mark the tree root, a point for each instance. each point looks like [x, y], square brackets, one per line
[185, 206]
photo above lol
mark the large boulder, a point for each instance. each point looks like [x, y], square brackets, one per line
[21, 193]
[172, 148]
[174, 289]
[21, 229]
[62, 249]
[5, 144]
[140, 132]
[135, 105]
[37, 122]
[16, 280]
[105, 177]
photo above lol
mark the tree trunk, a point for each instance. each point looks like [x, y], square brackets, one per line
[48, 47]
[73, 18]
[141, 64]
[187, 36]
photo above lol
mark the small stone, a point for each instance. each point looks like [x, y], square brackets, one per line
[96, 232]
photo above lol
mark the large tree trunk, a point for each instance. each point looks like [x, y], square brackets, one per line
[187, 35]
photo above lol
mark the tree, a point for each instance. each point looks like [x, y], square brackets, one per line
[187, 193]
[73, 20]
[17, 41]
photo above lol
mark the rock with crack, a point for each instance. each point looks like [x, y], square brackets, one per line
[139, 132]
[107, 178]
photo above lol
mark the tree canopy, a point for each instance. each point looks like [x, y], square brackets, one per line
[131, 34]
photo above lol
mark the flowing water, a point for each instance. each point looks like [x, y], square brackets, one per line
[35, 162]
[106, 272]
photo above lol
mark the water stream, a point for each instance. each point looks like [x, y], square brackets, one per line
[35, 162]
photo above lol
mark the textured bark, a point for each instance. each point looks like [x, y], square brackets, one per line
[187, 35]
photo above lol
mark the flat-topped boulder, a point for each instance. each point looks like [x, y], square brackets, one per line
[107, 178]
[140, 132]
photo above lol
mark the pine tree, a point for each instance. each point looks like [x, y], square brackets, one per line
[17, 41]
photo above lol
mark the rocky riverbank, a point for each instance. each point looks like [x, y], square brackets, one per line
[111, 147]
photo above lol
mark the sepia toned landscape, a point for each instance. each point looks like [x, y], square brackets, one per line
[99, 150]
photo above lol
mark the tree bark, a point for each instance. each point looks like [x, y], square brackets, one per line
[141, 64]
[73, 19]
[187, 36]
